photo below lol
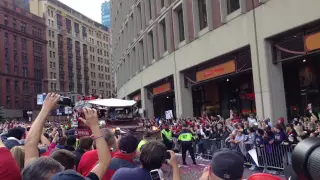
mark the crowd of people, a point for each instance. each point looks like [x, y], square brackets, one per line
[41, 150]
[273, 140]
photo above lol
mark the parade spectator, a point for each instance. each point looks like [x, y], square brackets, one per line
[18, 154]
[90, 158]
[65, 158]
[14, 137]
[85, 144]
[225, 164]
[124, 157]
[152, 156]
[47, 167]
[8, 166]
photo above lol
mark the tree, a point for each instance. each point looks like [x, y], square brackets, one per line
[2, 114]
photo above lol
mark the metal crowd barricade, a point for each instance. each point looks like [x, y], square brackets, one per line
[275, 156]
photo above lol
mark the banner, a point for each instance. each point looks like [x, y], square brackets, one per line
[216, 71]
[312, 42]
[161, 89]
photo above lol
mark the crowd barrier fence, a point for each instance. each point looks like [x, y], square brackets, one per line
[274, 156]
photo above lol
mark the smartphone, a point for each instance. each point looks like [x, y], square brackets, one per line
[168, 155]
[117, 133]
[60, 132]
[156, 174]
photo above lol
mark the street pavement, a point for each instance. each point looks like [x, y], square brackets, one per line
[193, 172]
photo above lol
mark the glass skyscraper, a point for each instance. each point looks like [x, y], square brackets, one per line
[105, 14]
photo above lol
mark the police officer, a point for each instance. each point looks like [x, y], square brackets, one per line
[144, 141]
[186, 139]
[166, 135]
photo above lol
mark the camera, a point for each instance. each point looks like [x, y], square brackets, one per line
[64, 101]
[305, 160]
[117, 132]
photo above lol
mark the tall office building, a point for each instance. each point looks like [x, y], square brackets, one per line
[77, 51]
[22, 59]
[210, 56]
[105, 14]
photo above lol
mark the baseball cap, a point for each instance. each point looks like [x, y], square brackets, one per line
[67, 175]
[281, 120]
[227, 164]
[16, 132]
[128, 144]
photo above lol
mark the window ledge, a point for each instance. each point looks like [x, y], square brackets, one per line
[162, 9]
[165, 54]
[182, 43]
[233, 15]
[203, 31]
[153, 61]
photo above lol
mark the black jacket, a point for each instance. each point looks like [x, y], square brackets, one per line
[79, 153]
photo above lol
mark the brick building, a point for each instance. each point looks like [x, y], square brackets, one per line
[22, 59]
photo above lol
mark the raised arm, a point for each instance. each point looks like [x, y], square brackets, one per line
[102, 147]
[34, 135]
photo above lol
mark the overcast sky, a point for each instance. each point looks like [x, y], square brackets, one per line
[90, 8]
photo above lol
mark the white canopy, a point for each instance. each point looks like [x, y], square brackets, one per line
[113, 102]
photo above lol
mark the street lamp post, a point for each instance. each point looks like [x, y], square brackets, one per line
[29, 115]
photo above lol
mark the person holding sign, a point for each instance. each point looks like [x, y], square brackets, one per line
[186, 139]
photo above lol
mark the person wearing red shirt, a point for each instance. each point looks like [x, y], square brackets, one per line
[9, 169]
[89, 159]
[124, 157]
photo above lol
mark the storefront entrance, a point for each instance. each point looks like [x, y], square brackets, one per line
[302, 83]
[162, 95]
[162, 103]
[299, 54]
[219, 96]
[223, 84]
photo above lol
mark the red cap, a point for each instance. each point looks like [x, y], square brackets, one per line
[281, 120]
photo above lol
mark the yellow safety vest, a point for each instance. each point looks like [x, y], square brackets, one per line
[141, 143]
[185, 137]
[168, 134]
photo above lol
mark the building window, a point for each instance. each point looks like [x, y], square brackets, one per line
[14, 24]
[8, 102]
[23, 27]
[150, 34]
[233, 5]
[8, 85]
[164, 35]
[24, 58]
[24, 72]
[6, 37]
[17, 102]
[161, 3]
[24, 44]
[7, 69]
[16, 70]
[6, 54]
[16, 86]
[202, 5]
[6, 20]
[150, 9]
[180, 24]
[15, 41]
[15, 56]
